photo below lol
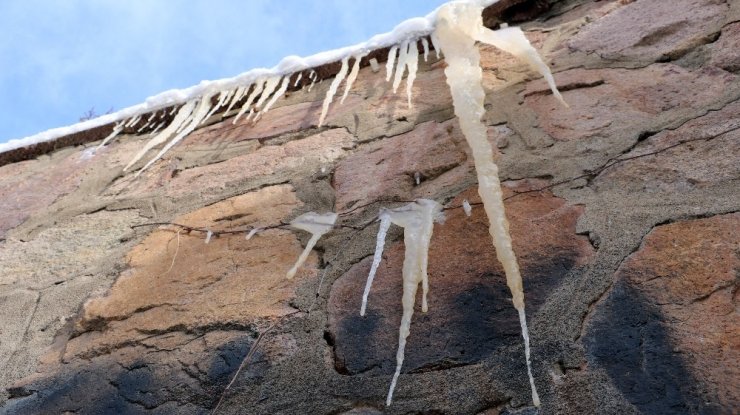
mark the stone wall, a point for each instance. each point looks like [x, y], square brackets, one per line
[624, 210]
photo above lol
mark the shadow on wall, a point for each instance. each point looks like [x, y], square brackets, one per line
[628, 339]
[153, 383]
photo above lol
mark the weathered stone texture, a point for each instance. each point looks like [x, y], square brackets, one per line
[623, 210]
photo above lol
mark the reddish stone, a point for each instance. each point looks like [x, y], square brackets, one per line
[651, 30]
[604, 101]
[470, 312]
[724, 50]
[385, 169]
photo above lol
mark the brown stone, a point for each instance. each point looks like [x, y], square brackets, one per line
[651, 30]
[700, 153]
[470, 312]
[386, 169]
[189, 285]
[602, 102]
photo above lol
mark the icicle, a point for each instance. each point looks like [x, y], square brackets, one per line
[280, 92]
[209, 234]
[116, 130]
[435, 44]
[425, 46]
[333, 90]
[258, 87]
[253, 232]
[352, 76]
[467, 208]
[317, 225]
[300, 75]
[417, 178]
[182, 115]
[459, 25]
[221, 97]
[237, 96]
[147, 123]
[131, 122]
[313, 77]
[390, 63]
[385, 223]
[173, 110]
[412, 62]
[512, 40]
[270, 86]
[401, 65]
[374, 65]
[195, 120]
[417, 219]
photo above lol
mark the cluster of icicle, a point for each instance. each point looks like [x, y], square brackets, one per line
[261, 96]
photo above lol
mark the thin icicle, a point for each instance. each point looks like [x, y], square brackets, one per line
[253, 232]
[132, 121]
[467, 208]
[417, 219]
[237, 96]
[147, 123]
[385, 223]
[401, 65]
[374, 65]
[512, 40]
[390, 63]
[195, 120]
[298, 79]
[182, 115]
[310, 87]
[352, 76]
[258, 87]
[173, 110]
[270, 85]
[209, 234]
[425, 46]
[317, 225]
[280, 92]
[222, 97]
[412, 62]
[333, 89]
[116, 130]
[435, 44]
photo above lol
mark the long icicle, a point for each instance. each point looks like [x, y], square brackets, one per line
[390, 63]
[412, 62]
[352, 76]
[385, 223]
[459, 25]
[333, 89]
[403, 54]
[258, 87]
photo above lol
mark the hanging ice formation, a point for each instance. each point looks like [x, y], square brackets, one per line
[417, 219]
[317, 225]
[459, 26]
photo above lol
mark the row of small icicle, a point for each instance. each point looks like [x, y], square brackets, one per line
[264, 94]
[459, 26]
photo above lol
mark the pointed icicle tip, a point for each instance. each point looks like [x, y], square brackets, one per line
[317, 225]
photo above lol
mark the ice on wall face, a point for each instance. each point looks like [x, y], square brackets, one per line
[417, 219]
[317, 225]
[333, 89]
[459, 26]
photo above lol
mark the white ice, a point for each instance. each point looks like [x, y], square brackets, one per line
[317, 225]
[333, 90]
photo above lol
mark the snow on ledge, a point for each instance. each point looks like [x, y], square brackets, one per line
[413, 28]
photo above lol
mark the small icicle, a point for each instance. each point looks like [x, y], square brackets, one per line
[280, 92]
[221, 96]
[390, 63]
[417, 219]
[333, 89]
[237, 96]
[298, 79]
[182, 115]
[512, 40]
[195, 120]
[401, 65]
[385, 223]
[209, 234]
[253, 232]
[317, 225]
[374, 65]
[435, 44]
[258, 87]
[417, 178]
[270, 86]
[312, 77]
[147, 123]
[412, 62]
[132, 121]
[425, 46]
[467, 208]
[116, 130]
[352, 76]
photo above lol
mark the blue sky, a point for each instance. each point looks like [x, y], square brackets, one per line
[60, 58]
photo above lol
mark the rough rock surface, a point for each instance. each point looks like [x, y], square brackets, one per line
[623, 209]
